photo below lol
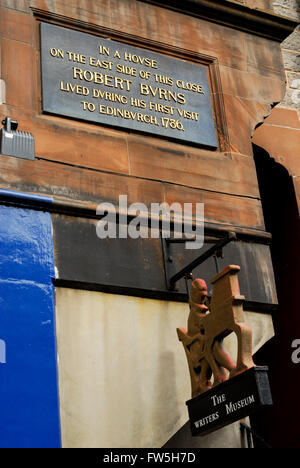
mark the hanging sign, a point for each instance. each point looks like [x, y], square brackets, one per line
[107, 82]
[230, 401]
[224, 389]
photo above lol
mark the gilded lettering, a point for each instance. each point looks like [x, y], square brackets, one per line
[57, 52]
[163, 79]
[102, 79]
[105, 95]
[76, 89]
[167, 95]
[104, 50]
[100, 63]
[196, 88]
[126, 70]
[76, 57]
[126, 114]
[141, 60]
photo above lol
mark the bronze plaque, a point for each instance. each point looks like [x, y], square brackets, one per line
[107, 82]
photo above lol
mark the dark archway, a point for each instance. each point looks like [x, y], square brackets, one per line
[280, 425]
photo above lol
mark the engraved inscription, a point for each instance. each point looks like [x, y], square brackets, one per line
[108, 82]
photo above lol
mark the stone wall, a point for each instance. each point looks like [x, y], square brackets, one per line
[250, 70]
[259, 4]
[279, 135]
[291, 54]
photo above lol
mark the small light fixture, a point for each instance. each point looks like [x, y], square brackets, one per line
[15, 143]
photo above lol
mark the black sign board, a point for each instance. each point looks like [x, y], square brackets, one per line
[108, 82]
[230, 401]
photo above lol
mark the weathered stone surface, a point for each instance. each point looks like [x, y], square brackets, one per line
[16, 25]
[261, 4]
[263, 59]
[291, 55]
[245, 211]
[293, 78]
[291, 60]
[288, 12]
[243, 115]
[280, 134]
[281, 141]
[196, 168]
[93, 187]
[292, 98]
[17, 66]
[283, 117]
[252, 77]
[20, 5]
[293, 41]
[251, 85]
[292, 4]
[296, 181]
[87, 146]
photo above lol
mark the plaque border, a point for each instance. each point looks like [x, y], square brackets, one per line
[211, 62]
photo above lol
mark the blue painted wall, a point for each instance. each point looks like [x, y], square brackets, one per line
[29, 409]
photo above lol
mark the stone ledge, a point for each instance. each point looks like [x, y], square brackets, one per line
[235, 15]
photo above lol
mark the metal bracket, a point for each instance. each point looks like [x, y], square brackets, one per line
[186, 272]
[252, 434]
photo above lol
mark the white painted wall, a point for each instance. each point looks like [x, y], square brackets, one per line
[123, 374]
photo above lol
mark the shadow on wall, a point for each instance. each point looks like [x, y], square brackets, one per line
[165, 378]
[279, 425]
